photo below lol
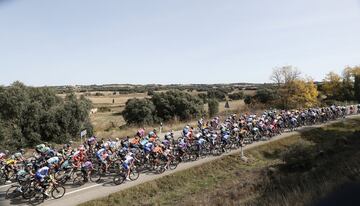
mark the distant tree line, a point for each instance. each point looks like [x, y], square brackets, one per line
[227, 88]
[289, 90]
[30, 115]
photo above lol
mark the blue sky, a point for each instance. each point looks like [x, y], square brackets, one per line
[56, 42]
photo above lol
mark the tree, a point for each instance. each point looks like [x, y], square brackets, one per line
[285, 75]
[236, 96]
[248, 99]
[30, 115]
[292, 91]
[265, 95]
[356, 73]
[162, 107]
[139, 111]
[176, 103]
[332, 86]
[304, 94]
[357, 87]
[217, 94]
[213, 107]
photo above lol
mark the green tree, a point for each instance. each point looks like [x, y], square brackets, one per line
[213, 107]
[248, 99]
[217, 94]
[139, 111]
[30, 115]
[236, 96]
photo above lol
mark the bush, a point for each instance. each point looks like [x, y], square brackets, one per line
[265, 95]
[163, 107]
[139, 111]
[99, 94]
[179, 104]
[150, 92]
[217, 94]
[213, 107]
[203, 97]
[30, 115]
[248, 99]
[236, 96]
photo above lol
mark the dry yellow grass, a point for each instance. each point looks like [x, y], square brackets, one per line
[107, 99]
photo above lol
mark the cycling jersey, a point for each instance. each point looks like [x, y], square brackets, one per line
[91, 140]
[10, 162]
[42, 173]
[87, 165]
[65, 165]
[128, 160]
[53, 161]
[148, 147]
[201, 141]
[2, 156]
[158, 150]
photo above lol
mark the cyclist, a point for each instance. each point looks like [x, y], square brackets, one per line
[85, 168]
[128, 163]
[103, 156]
[42, 175]
[79, 156]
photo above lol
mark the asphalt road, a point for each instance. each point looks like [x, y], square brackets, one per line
[90, 191]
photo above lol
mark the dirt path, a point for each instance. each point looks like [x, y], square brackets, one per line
[75, 196]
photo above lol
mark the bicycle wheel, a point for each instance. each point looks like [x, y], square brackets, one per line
[119, 179]
[58, 192]
[173, 165]
[13, 192]
[78, 181]
[95, 176]
[134, 175]
[37, 198]
[27, 193]
[193, 157]
[160, 169]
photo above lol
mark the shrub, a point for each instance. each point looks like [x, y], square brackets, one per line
[99, 94]
[30, 115]
[213, 107]
[248, 99]
[217, 94]
[163, 107]
[139, 111]
[236, 96]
